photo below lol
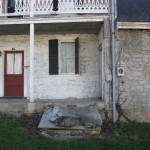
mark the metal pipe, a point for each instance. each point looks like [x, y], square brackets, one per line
[113, 58]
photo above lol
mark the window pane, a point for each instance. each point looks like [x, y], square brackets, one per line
[63, 65]
[63, 50]
[71, 50]
[70, 65]
[18, 64]
[10, 63]
[14, 63]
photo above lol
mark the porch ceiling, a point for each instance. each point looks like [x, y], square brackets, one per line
[53, 28]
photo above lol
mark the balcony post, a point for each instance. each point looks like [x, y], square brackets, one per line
[31, 52]
[31, 8]
[31, 62]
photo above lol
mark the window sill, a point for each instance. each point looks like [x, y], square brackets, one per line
[66, 75]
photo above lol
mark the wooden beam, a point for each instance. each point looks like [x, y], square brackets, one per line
[133, 25]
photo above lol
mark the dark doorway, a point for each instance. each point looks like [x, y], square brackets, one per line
[11, 9]
[11, 6]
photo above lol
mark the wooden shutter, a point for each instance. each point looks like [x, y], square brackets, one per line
[53, 57]
[77, 56]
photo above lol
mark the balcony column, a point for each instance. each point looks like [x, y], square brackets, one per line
[31, 52]
[32, 8]
[31, 62]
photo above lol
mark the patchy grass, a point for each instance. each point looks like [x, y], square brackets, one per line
[15, 136]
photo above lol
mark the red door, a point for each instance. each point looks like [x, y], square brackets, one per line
[14, 73]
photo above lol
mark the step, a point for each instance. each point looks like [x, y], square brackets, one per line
[24, 105]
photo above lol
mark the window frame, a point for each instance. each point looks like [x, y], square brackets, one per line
[72, 40]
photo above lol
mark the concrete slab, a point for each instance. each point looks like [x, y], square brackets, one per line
[89, 121]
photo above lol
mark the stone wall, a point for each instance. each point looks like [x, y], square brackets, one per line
[84, 85]
[133, 53]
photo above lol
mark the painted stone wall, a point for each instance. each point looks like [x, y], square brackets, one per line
[84, 85]
[133, 53]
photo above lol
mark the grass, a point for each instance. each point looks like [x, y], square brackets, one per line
[13, 136]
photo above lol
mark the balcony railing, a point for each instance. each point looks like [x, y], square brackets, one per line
[22, 7]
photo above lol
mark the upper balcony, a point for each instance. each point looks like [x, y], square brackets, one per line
[24, 8]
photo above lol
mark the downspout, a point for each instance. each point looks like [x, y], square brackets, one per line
[113, 58]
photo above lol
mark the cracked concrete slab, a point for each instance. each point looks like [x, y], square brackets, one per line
[72, 118]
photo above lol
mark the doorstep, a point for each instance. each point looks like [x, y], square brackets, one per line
[12, 98]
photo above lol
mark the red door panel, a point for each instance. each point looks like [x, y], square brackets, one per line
[14, 73]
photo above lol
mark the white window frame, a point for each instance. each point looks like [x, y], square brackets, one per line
[67, 40]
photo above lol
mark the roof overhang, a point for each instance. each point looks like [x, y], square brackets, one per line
[53, 19]
[53, 28]
[133, 25]
[87, 24]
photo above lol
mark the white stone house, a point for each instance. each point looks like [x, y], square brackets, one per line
[53, 49]
[63, 50]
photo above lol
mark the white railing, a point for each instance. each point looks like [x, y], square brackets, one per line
[22, 7]
[0, 6]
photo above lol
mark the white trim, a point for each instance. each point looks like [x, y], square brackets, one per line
[133, 25]
[3, 59]
[60, 19]
[66, 75]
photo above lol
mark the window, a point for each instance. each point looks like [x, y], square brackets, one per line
[67, 57]
[63, 59]
[14, 63]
